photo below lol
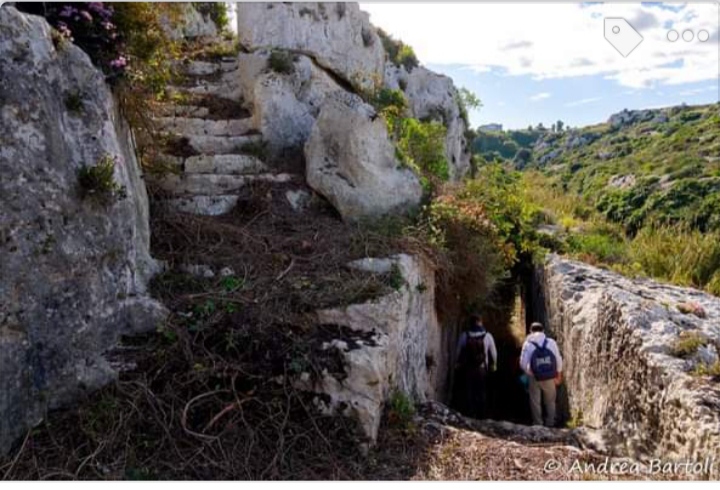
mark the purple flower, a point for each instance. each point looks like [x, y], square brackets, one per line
[120, 62]
[86, 15]
[67, 11]
[100, 9]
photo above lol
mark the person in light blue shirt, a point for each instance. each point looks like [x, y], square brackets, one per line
[544, 373]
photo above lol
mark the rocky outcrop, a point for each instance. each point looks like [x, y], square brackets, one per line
[623, 371]
[331, 48]
[351, 161]
[432, 96]
[192, 25]
[284, 105]
[337, 36]
[73, 271]
[393, 346]
[628, 118]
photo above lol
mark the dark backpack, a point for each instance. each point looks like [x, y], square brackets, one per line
[473, 354]
[543, 363]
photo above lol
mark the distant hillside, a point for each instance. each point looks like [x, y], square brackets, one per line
[650, 165]
[639, 193]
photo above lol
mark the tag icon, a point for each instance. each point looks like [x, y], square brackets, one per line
[622, 35]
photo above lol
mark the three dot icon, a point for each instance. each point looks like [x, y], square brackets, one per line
[688, 35]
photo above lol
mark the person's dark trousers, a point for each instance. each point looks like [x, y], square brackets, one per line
[476, 384]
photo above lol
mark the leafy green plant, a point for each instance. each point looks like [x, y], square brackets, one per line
[98, 182]
[421, 146]
[704, 369]
[401, 410]
[466, 100]
[281, 62]
[398, 52]
[395, 278]
[231, 283]
[216, 11]
[74, 102]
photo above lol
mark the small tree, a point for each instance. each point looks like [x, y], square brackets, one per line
[559, 125]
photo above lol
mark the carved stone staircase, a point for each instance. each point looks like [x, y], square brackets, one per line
[211, 141]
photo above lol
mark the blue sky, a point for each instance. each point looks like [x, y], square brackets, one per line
[532, 63]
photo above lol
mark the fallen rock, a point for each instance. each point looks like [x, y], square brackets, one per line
[351, 161]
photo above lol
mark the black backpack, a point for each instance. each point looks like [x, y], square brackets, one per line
[473, 354]
[543, 363]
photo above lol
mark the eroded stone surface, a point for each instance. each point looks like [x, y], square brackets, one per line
[403, 326]
[73, 272]
[338, 36]
[284, 105]
[351, 161]
[616, 335]
[433, 96]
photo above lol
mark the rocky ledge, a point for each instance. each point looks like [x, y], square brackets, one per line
[639, 359]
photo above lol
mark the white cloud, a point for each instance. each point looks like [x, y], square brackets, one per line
[697, 91]
[556, 40]
[580, 102]
[540, 96]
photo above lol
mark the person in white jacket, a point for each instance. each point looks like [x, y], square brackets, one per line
[542, 374]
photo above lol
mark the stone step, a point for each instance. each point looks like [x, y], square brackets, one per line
[226, 88]
[201, 205]
[214, 184]
[202, 68]
[188, 126]
[220, 145]
[231, 164]
[190, 111]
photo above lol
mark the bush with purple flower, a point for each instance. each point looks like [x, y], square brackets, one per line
[91, 26]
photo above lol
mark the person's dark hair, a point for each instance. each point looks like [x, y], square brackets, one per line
[537, 327]
[475, 318]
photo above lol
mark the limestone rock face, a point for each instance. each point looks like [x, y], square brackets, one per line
[338, 36]
[193, 25]
[351, 161]
[434, 96]
[616, 336]
[284, 105]
[394, 339]
[73, 272]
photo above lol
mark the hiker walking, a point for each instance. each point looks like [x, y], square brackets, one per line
[476, 355]
[540, 359]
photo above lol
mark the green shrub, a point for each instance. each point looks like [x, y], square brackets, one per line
[602, 244]
[421, 146]
[74, 102]
[398, 52]
[687, 344]
[679, 255]
[395, 278]
[98, 182]
[217, 11]
[401, 411]
[281, 62]
[407, 58]
[704, 369]
[390, 100]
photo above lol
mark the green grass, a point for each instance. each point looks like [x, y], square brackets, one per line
[664, 225]
[687, 344]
